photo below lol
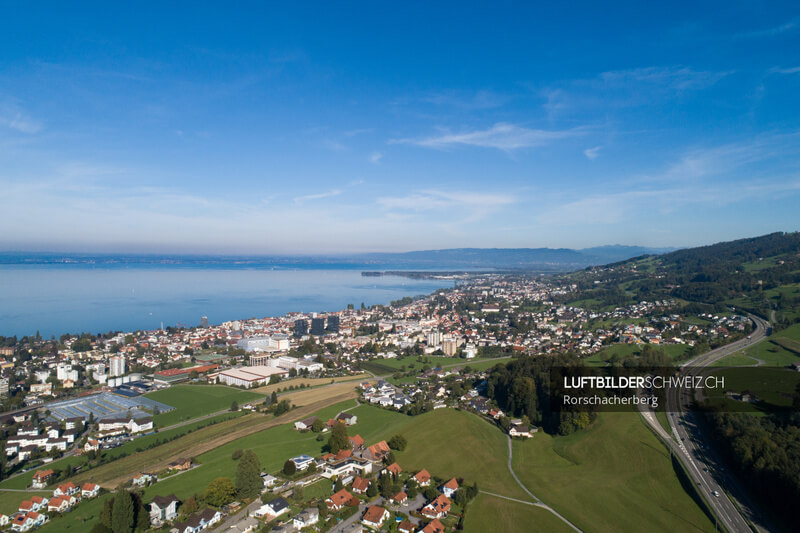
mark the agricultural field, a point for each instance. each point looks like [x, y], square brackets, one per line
[488, 513]
[333, 393]
[273, 446]
[192, 401]
[613, 476]
[192, 445]
[308, 382]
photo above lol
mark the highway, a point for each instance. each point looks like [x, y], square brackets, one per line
[687, 442]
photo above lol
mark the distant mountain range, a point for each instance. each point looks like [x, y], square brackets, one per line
[537, 259]
[544, 259]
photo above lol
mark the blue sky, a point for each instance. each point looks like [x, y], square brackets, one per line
[262, 128]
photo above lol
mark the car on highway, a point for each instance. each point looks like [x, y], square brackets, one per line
[716, 493]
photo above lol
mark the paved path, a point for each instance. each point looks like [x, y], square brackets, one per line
[537, 502]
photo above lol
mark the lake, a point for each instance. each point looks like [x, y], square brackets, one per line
[58, 299]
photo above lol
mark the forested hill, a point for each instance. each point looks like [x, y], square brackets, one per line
[733, 254]
[760, 274]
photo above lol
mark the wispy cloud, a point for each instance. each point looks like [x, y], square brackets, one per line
[317, 196]
[592, 153]
[375, 157]
[503, 136]
[428, 199]
[677, 78]
[773, 31]
[12, 116]
[790, 70]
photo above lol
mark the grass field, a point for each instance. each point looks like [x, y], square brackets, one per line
[773, 386]
[735, 359]
[81, 519]
[273, 446]
[675, 351]
[192, 401]
[308, 382]
[614, 476]
[450, 443]
[9, 501]
[488, 513]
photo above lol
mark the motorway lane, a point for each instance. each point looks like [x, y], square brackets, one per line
[690, 441]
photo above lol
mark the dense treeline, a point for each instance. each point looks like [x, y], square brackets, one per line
[765, 452]
[522, 389]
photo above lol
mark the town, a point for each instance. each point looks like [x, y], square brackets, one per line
[90, 400]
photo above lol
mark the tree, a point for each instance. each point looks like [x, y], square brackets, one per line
[189, 506]
[274, 397]
[298, 493]
[122, 513]
[411, 490]
[283, 407]
[248, 475]
[220, 492]
[234, 406]
[105, 514]
[430, 493]
[289, 468]
[318, 425]
[338, 485]
[236, 455]
[193, 374]
[386, 482]
[338, 440]
[372, 490]
[398, 442]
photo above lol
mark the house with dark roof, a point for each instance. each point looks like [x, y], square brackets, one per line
[163, 509]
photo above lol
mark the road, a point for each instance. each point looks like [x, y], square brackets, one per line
[687, 442]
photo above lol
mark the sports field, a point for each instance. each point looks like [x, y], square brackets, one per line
[614, 476]
[192, 401]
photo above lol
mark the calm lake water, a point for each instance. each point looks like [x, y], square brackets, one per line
[55, 299]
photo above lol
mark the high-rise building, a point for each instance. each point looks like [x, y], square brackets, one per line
[3, 386]
[203, 321]
[434, 338]
[116, 366]
[318, 326]
[300, 327]
[333, 324]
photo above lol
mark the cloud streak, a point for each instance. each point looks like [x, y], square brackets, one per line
[502, 136]
[318, 196]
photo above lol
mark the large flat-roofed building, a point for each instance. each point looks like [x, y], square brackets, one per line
[252, 344]
[249, 376]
